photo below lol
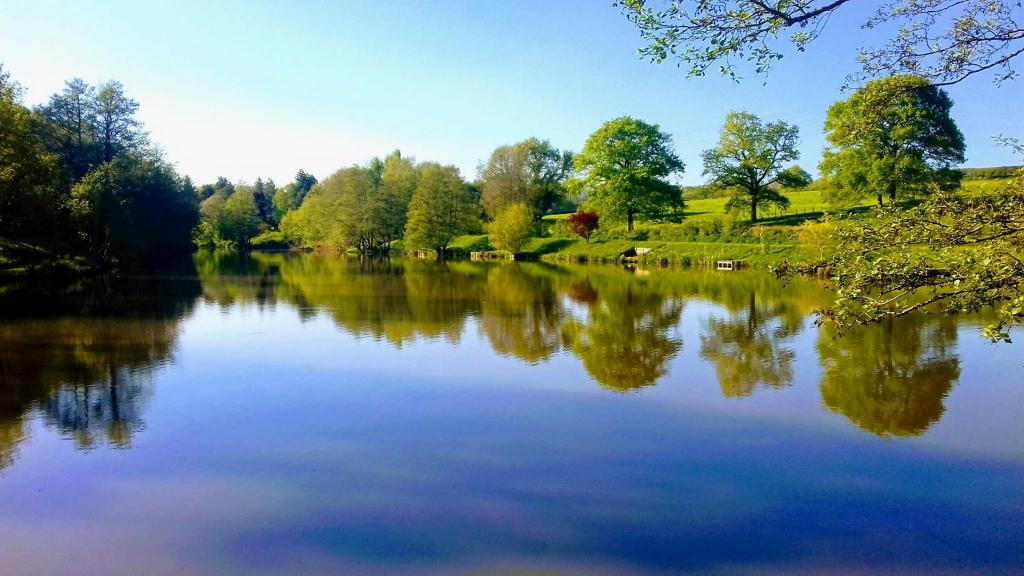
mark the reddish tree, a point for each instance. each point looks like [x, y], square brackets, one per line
[583, 223]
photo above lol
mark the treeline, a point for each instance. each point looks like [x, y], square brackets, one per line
[394, 201]
[79, 177]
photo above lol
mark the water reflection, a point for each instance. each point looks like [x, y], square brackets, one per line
[891, 379]
[750, 348]
[84, 356]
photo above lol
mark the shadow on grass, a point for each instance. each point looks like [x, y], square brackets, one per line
[550, 246]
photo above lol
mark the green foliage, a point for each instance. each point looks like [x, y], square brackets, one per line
[894, 138]
[363, 208]
[440, 209]
[956, 253]
[133, 208]
[937, 39]
[511, 228]
[77, 178]
[990, 173]
[795, 178]
[530, 172]
[749, 160]
[29, 183]
[623, 171]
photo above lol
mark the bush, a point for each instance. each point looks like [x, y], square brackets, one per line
[583, 223]
[512, 228]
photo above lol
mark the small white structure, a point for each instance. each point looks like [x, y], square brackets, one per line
[727, 265]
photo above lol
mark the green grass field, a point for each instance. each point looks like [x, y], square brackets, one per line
[806, 207]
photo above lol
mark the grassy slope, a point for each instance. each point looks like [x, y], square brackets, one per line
[805, 206]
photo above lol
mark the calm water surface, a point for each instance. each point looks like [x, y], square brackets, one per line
[282, 415]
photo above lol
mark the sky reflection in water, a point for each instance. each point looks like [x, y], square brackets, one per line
[300, 414]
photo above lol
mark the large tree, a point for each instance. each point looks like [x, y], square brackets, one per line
[624, 169]
[945, 41]
[70, 128]
[440, 209]
[117, 130]
[749, 160]
[531, 172]
[133, 209]
[893, 137]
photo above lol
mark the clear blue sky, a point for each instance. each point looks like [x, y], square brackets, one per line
[248, 89]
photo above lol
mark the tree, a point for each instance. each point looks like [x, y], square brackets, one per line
[795, 177]
[749, 159]
[511, 228]
[893, 137]
[942, 40]
[531, 172]
[70, 128]
[28, 172]
[966, 258]
[439, 210]
[239, 218]
[133, 209]
[583, 223]
[623, 171]
[117, 130]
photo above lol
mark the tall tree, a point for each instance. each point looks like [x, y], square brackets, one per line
[893, 137]
[749, 159]
[945, 41]
[531, 172]
[28, 172]
[70, 128]
[623, 171]
[117, 129]
[440, 210]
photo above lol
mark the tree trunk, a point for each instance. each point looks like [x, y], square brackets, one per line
[753, 208]
[629, 220]
[879, 200]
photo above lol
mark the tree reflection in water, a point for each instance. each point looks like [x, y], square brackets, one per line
[891, 379]
[83, 357]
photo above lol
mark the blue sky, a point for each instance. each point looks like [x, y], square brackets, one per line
[262, 89]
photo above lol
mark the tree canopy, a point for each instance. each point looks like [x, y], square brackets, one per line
[532, 172]
[749, 159]
[945, 41]
[624, 169]
[893, 137]
[440, 209]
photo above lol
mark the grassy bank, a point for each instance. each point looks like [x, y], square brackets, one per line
[706, 235]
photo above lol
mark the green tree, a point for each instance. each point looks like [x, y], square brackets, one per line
[957, 253]
[531, 172]
[623, 171]
[440, 209]
[937, 39]
[749, 159]
[239, 218]
[117, 130]
[70, 128]
[29, 201]
[133, 209]
[893, 137]
[512, 228]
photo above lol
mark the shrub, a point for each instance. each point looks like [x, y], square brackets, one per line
[512, 228]
[583, 223]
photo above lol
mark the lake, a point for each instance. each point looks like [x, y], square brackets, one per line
[274, 414]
